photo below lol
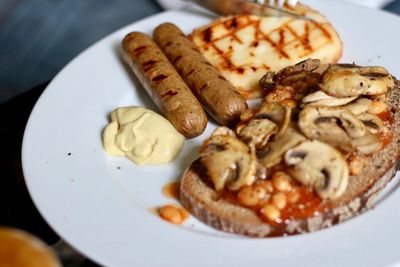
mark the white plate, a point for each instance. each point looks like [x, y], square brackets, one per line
[99, 204]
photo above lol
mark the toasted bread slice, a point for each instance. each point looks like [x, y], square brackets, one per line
[244, 47]
[200, 198]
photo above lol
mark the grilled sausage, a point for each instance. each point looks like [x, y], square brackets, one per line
[217, 94]
[162, 82]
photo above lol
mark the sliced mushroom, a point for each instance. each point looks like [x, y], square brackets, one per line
[320, 98]
[229, 162]
[267, 81]
[301, 76]
[223, 130]
[257, 132]
[277, 113]
[307, 65]
[273, 153]
[381, 80]
[280, 93]
[367, 144]
[344, 81]
[302, 81]
[359, 106]
[372, 122]
[319, 166]
[333, 125]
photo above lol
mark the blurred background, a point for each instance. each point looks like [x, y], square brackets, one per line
[38, 37]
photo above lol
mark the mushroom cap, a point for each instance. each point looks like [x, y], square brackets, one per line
[381, 80]
[372, 122]
[229, 162]
[320, 98]
[333, 125]
[274, 151]
[360, 105]
[257, 132]
[277, 113]
[319, 166]
[344, 81]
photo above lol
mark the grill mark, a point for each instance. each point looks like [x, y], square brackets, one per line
[202, 87]
[231, 24]
[266, 66]
[306, 37]
[230, 34]
[140, 48]
[169, 93]
[323, 30]
[278, 48]
[235, 37]
[148, 65]
[190, 72]
[176, 59]
[207, 35]
[159, 78]
[281, 37]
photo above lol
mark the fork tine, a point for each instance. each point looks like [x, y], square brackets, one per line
[292, 2]
[277, 3]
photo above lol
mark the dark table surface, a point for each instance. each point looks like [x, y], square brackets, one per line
[25, 60]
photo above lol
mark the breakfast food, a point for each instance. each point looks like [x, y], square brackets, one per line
[19, 248]
[216, 93]
[141, 135]
[167, 89]
[244, 47]
[173, 214]
[315, 153]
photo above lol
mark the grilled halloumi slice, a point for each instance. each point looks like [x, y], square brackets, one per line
[244, 47]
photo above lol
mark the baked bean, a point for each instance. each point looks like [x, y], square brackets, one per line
[279, 200]
[293, 196]
[267, 185]
[171, 214]
[281, 181]
[248, 197]
[270, 212]
[260, 191]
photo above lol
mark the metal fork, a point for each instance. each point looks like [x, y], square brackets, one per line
[255, 7]
[277, 3]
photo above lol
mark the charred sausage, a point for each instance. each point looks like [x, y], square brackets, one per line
[216, 93]
[163, 83]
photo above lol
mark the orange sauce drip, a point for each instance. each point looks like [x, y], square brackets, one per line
[172, 190]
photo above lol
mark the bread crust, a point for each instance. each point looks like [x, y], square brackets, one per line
[199, 197]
